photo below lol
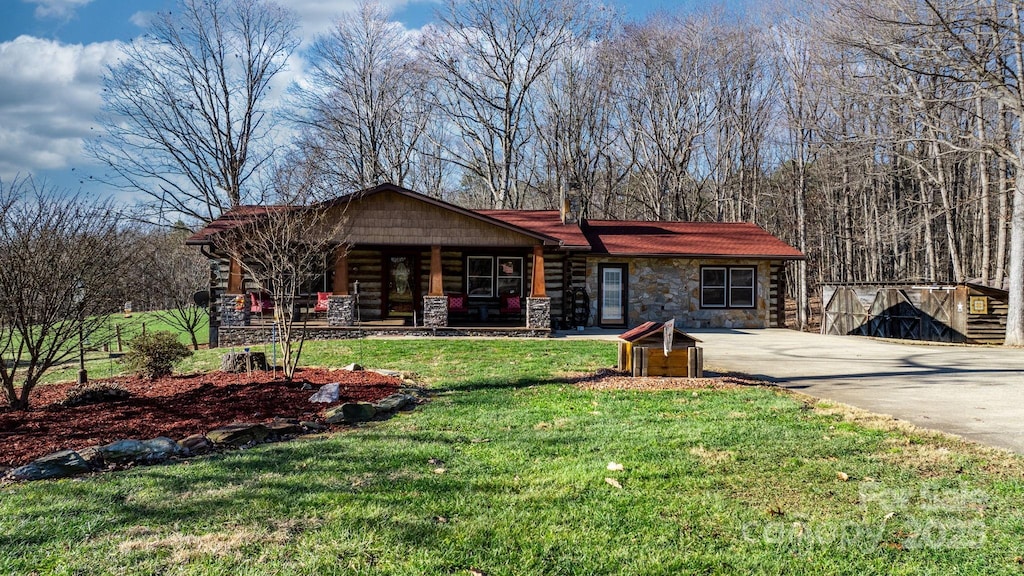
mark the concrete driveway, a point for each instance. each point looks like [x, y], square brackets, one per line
[974, 392]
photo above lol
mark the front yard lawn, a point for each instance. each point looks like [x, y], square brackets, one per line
[510, 469]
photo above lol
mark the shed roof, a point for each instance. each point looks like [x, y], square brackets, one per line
[649, 329]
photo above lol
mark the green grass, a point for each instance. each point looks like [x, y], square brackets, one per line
[504, 472]
[103, 364]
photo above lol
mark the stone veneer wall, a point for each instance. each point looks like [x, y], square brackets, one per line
[435, 311]
[538, 312]
[251, 335]
[232, 313]
[664, 288]
[341, 310]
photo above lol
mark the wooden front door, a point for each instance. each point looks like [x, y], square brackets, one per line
[401, 286]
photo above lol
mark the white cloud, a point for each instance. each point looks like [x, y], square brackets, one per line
[317, 16]
[50, 99]
[142, 19]
[60, 9]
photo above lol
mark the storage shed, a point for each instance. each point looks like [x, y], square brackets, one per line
[642, 352]
[971, 312]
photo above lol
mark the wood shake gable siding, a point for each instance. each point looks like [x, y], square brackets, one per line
[391, 219]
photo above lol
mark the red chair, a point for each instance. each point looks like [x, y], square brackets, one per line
[260, 303]
[323, 300]
[511, 305]
[458, 304]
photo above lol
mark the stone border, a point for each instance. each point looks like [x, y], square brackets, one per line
[127, 453]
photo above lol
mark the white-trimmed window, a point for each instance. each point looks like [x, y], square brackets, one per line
[480, 276]
[728, 287]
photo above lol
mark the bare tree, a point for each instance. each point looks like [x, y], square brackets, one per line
[364, 101]
[186, 120]
[967, 42]
[487, 58]
[666, 108]
[285, 246]
[174, 274]
[60, 257]
[575, 131]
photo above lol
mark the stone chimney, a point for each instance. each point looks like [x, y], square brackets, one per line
[571, 204]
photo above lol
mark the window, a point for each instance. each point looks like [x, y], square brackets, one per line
[480, 276]
[727, 287]
[510, 276]
[491, 276]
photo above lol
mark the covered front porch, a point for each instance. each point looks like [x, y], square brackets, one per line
[404, 290]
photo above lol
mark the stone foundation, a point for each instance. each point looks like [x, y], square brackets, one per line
[234, 310]
[435, 311]
[341, 311]
[251, 335]
[538, 313]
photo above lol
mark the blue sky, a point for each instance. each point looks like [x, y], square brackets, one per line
[54, 52]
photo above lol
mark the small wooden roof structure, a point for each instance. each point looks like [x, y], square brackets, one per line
[654, 333]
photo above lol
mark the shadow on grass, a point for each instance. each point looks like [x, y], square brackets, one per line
[495, 384]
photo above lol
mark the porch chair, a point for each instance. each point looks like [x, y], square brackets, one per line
[323, 299]
[458, 304]
[260, 303]
[511, 305]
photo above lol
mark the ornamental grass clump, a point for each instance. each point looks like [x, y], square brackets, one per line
[154, 355]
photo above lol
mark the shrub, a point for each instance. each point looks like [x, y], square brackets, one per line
[154, 355]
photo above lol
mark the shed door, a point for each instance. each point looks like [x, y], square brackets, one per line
[613, 295]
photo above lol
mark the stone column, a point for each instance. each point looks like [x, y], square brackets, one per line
[435, 311]
[234, 310]
[341, 310]
[538, 313]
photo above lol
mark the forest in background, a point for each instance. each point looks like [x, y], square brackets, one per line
[883, 140]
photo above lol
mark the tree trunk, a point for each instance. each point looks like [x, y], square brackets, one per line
[1015, 312]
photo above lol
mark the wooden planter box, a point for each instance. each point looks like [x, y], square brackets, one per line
[680, 363]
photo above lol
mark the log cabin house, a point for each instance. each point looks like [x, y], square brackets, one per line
[411, 264]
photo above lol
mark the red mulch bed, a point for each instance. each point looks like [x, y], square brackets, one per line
[176, 407]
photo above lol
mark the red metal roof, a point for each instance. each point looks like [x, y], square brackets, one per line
[611, 237]
[677, 239]
[237, 216]
[648, 329]
[546, 222]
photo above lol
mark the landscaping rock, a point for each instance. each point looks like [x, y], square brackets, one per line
[159, 449]
[311, 426]
[95, 393]
[350, 412]
[238, 433]
[92, 456]
[57, 465]
[327, 393]
[391, 373]
[394, 402]
[195, 445]
[283, 426]
[123, 451]
[243, 361]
